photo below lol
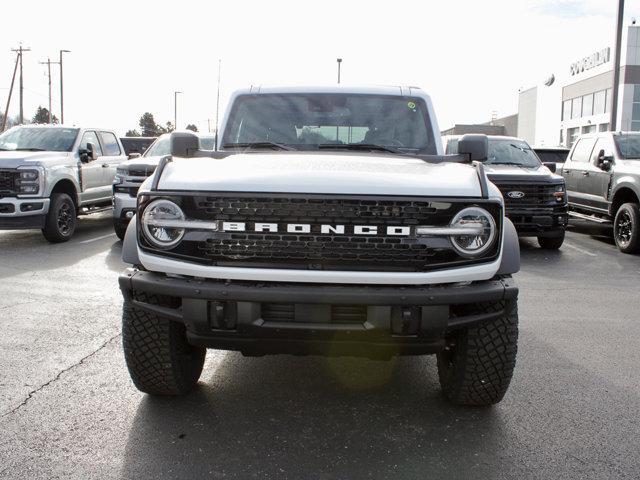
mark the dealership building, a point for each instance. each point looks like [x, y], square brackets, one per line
[576, 101]
[579, 101]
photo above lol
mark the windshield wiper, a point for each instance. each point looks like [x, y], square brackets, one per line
[359, 146]
[33, 149]
[507, 163]
[259, 145]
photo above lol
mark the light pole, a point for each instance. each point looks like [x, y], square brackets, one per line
[339, 63]
[616, 69]
[175, 110]
[62, 88]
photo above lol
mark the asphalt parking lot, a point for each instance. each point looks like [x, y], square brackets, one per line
[69, 410]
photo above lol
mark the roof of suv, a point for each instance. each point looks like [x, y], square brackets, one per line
[349, 89]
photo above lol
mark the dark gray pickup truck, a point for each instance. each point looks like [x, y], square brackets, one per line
[603, 183]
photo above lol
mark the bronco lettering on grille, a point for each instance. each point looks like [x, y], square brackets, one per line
[322, 229]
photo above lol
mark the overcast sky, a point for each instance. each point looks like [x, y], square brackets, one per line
[129, 57]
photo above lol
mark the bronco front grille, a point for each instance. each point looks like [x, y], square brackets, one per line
[527, 195]
[8, 179]
[323, 251]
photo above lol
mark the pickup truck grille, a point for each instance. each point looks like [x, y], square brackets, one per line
[8, 182]
[317, 250]
[534, 194]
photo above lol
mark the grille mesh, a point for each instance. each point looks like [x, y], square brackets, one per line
[8, 181]
[534, 195]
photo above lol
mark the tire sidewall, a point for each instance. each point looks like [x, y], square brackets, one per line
[633, 245]
[52, 230]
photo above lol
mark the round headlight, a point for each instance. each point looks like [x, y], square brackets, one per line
[159, 223]
[476, 244]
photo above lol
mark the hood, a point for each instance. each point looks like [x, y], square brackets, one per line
[147, 164]
[17, 158]
[628, 166]
[517, 173]
[295, 172]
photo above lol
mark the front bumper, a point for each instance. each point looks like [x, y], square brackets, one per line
[22, 213]
[542, 221]
[394, 320]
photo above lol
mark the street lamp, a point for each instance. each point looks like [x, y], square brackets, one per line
[175, 110]
[62, 88]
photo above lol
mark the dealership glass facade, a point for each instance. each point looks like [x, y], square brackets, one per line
[591, 104]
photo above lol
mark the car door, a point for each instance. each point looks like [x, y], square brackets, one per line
[91, 172]
[575, 168]
[112, 157]
[594, 181]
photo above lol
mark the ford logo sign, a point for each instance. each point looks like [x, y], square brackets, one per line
[515, 194]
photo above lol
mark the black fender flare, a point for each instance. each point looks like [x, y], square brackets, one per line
[130, 243]
[510, 250]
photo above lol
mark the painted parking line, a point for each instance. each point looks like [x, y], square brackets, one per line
[581, 250]
[97, 238]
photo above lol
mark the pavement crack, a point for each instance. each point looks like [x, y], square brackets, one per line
[60, 373]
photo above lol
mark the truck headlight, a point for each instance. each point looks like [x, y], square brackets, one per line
[477, 243]
[559, 192]
[29, 180]
[162, 223]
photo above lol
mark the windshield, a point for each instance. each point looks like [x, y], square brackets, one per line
[159, 148]
[39, 139]
[628, 145]
[555, 156]
[162, 146]
[511, 152]
[306, 121]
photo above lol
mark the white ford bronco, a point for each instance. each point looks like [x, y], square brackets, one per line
[328, 222]
[51, 174]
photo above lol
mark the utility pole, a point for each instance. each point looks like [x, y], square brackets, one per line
[62, 88]
[20, 51]
[217, 103]
[616, 69]
[209, 125]
[339, 63]
[175, 110]
[13, 79]
[48, 64]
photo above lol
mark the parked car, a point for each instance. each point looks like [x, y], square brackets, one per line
[552, 155]
[132, 173]
[603, 183]
[136, 145]
[331, 223]
[51, 174]
[535, 197]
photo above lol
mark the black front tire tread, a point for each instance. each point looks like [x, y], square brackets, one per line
[120, 230]
[51, 231]
[634, 245]
[158, 356]
[484, 358]
[551, 243]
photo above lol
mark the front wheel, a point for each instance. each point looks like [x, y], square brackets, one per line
[551, 243]
[626, 228]
[61, 219]
[120, 229]
[477, 365]
[159, 358]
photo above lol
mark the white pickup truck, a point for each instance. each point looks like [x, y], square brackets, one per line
[51, 174]
[328, 222]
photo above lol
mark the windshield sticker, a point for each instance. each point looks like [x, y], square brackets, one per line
[412, 106]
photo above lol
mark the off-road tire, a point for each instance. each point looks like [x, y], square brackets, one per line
[158, 356]
[551, 243]
[60, 223]
[629, 216]
[120, 229]
[477, 366]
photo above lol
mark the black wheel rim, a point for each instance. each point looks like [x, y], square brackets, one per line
[65, 219]
[624, 228]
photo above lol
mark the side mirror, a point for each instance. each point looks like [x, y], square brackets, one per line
[476, 146]
[184, 144]
[604, 161]
[133, 155]
[551, 166]
[87, 154]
